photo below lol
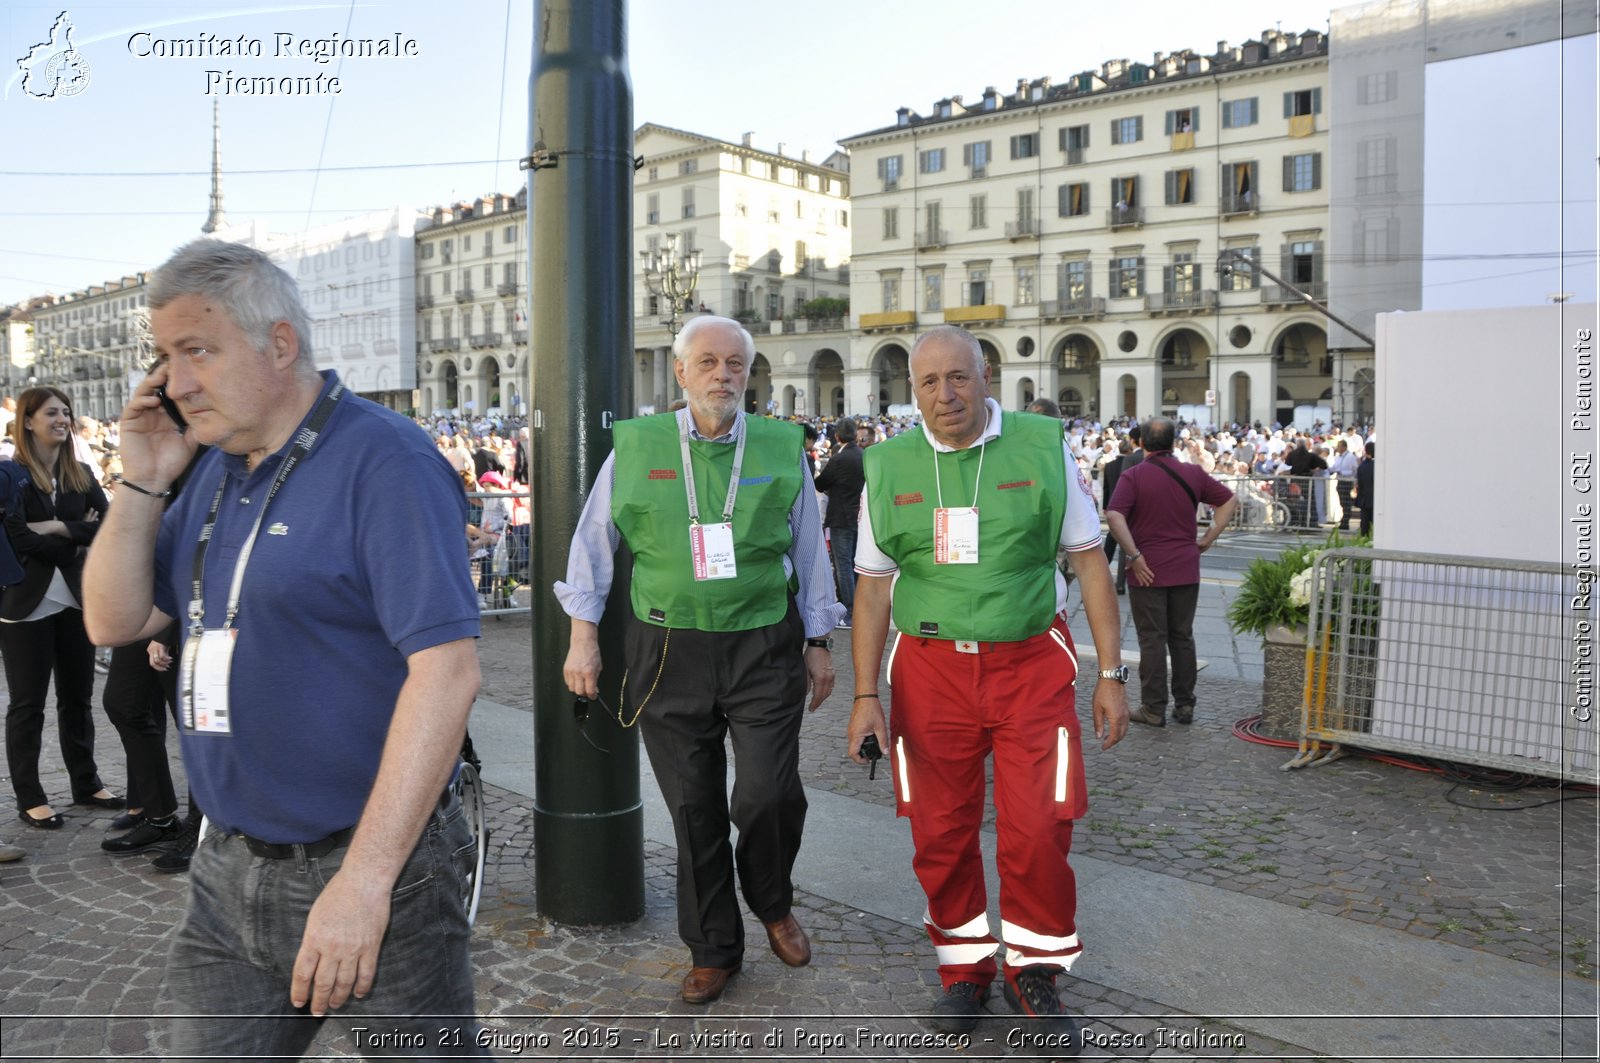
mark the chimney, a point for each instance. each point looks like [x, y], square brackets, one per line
[805, 154]
[747, 137]
[781, 146]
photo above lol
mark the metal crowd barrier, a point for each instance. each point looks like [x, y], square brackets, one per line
[1286, 503]
[501, 574]
[1480, 661]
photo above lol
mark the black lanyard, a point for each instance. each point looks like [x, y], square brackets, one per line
[304, 440]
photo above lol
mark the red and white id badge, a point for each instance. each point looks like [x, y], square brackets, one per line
[955, 536]
[207, 664]
[712, 548]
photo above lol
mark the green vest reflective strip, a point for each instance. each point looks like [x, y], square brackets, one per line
[1010, 594]
[651, 511]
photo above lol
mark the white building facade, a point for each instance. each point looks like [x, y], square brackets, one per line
[1080, 231]
[471, 307]
[774, 236]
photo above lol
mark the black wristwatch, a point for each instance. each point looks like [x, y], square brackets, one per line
[1119, 673]
[822, 643]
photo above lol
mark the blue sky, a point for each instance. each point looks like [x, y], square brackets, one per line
[108, 181]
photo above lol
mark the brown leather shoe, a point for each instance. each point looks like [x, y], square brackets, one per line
[1149, 719]
[789, 942]
[702, 985]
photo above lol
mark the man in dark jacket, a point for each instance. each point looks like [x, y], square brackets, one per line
[842, 481]
[1108, 484]
[1363, 493]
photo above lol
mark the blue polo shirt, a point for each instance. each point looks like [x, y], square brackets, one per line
[361, 561]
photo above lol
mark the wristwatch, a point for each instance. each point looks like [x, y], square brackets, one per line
[822, 643]
[1119, 673]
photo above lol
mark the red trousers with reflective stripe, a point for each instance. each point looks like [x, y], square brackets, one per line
[948, 711]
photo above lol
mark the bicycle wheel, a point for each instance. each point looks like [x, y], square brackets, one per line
[470, 789]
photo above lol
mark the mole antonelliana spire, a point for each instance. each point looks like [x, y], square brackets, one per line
[214, 220]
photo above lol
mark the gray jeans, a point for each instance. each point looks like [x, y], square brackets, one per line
[233, 956]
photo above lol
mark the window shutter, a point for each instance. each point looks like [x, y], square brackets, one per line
[1288, 105]
[966, 154]
[1171, 123]
[1133, 191]
[1194, 119]
[1255, 274]
[1316, 101]
[1254, 108]
[1227, 115]
[1255, 177]
[1138, 127]
[1062, 201]
[1288, 173]
[1172, 186]
[1316, 170]
[1116, 132]
[1139, 276]
[1061, 138]
[1167, 279]
[1392, 247]
[1316, 263]
[882, 166]
[1286, 259]
[1014, 146]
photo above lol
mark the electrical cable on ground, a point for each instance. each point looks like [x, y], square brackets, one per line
[1481, 780]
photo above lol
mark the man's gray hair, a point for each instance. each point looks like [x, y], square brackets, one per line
[954, 334]
[681, 345]
[255, 293]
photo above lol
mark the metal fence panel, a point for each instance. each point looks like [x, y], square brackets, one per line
[501, 572]
[1460, 658]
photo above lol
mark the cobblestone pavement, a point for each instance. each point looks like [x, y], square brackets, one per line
[83, 935]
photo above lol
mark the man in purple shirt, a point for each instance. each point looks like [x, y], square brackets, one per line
[1152, 516]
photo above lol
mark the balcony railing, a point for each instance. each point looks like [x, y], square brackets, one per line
[449, 343]
[960, 315]
[932, 239]
[463, 295]
[889, 320]
[1273, 294]
[519, 337]
[1239, 203]
[1124, 217]
[1167, 302]
[1074, 156]
[424, 302]
[1083, 306]
[508, 288]
[485, 339]
[1023, 229]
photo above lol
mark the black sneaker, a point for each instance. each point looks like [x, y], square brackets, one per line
[147, 835]
[176, 857]
[958, 1010]
[1032, 994]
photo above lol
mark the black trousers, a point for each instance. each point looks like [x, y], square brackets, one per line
[1163, 617]
[34, 650]
[749, 686]
[136, 698]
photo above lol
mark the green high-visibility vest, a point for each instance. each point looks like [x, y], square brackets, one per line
[651, 510]
[1010, 594]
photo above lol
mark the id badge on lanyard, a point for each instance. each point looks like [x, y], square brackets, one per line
[711, 546]
[955, 536]
[203, 681]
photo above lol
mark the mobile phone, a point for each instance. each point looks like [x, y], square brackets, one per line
[166, 403]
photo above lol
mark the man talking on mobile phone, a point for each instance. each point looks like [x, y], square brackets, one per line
[327, 667]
